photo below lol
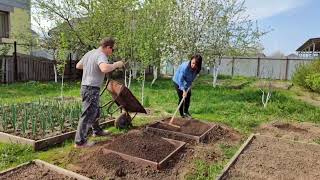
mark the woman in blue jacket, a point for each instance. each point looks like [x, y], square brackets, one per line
[183, 79]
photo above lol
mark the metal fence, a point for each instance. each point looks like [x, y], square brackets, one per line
[261, 67]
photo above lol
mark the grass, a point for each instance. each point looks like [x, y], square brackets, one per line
[206, 170]
[240, 109]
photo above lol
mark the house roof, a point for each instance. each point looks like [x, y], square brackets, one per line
[309, 44]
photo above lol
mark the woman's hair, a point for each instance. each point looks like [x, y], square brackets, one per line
[198, 60]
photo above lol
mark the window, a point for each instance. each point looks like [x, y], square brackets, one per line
[4, 24]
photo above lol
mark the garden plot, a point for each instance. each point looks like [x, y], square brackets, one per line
[40, 170]
[40, 124]
[302, 131]
[96, 164]
[189, 131]
[264, 157]
[144, 148]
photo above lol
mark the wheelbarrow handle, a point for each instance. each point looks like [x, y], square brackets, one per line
[106, 86]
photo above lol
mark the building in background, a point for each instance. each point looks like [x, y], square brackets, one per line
[310, 49]
[15, 24]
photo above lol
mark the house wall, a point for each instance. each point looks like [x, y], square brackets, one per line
[20, 23]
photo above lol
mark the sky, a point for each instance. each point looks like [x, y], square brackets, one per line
[292, 22]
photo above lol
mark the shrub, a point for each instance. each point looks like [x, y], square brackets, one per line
[313, 82]
[307, 75]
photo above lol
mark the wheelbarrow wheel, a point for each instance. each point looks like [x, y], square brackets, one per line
[123, 121]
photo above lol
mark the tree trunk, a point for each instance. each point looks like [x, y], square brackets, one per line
[55, 73]
[130, 77]
[125, 78]
[134, 71]
[155, 74]
[215, 74]
[265, 99]
[142, 89]
[62, 78]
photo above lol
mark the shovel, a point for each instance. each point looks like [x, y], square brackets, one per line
[174, 114]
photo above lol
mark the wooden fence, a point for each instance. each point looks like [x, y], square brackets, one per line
[32, 68]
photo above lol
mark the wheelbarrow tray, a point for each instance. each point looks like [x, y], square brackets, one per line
[124, 98]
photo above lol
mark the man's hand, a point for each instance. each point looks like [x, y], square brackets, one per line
[184, 94]
[118, 64]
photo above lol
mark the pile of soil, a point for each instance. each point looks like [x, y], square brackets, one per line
[273, 158]
[143, 145]
[222, 133]
[94, 164]
[32, 172]
[98, 165]
[306, 132]
[192, 127]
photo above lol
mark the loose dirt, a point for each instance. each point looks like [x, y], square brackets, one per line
[143, 145]
[32, 172]
[192, 127]
[273, 158]
[94, 164]
[306, 132]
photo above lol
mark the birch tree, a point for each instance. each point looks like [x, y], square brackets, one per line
[213, 28]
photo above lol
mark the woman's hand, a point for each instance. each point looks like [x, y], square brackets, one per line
[184, 94]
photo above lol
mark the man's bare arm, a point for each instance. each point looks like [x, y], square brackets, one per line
[106, 68]
[79, 65]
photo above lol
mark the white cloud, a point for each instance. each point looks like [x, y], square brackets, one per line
[260, 9]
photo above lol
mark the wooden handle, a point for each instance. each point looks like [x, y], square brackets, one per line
[182, 100]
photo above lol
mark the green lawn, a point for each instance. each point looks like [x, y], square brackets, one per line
[241, 109]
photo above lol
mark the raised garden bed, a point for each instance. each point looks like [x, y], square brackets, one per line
[38, 169]
[46, 142]
[41, 124]
[144, 148]
[264, 157]
[189, 131]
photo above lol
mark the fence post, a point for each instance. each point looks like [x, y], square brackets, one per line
[287, 68]
[232, 68]
[70, 65]
[258, 67]
[15, 64]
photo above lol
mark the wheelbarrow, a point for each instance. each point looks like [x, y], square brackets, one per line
[125, 100]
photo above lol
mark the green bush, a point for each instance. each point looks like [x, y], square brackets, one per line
[307, 75]
[313, 82]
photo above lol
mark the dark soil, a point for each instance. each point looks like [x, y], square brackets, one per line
[33, 172]
[143, 145]
[94, 164]
[273, 158]
[222, 133]
[192, 127]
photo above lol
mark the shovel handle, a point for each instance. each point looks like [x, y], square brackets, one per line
[182, 100]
